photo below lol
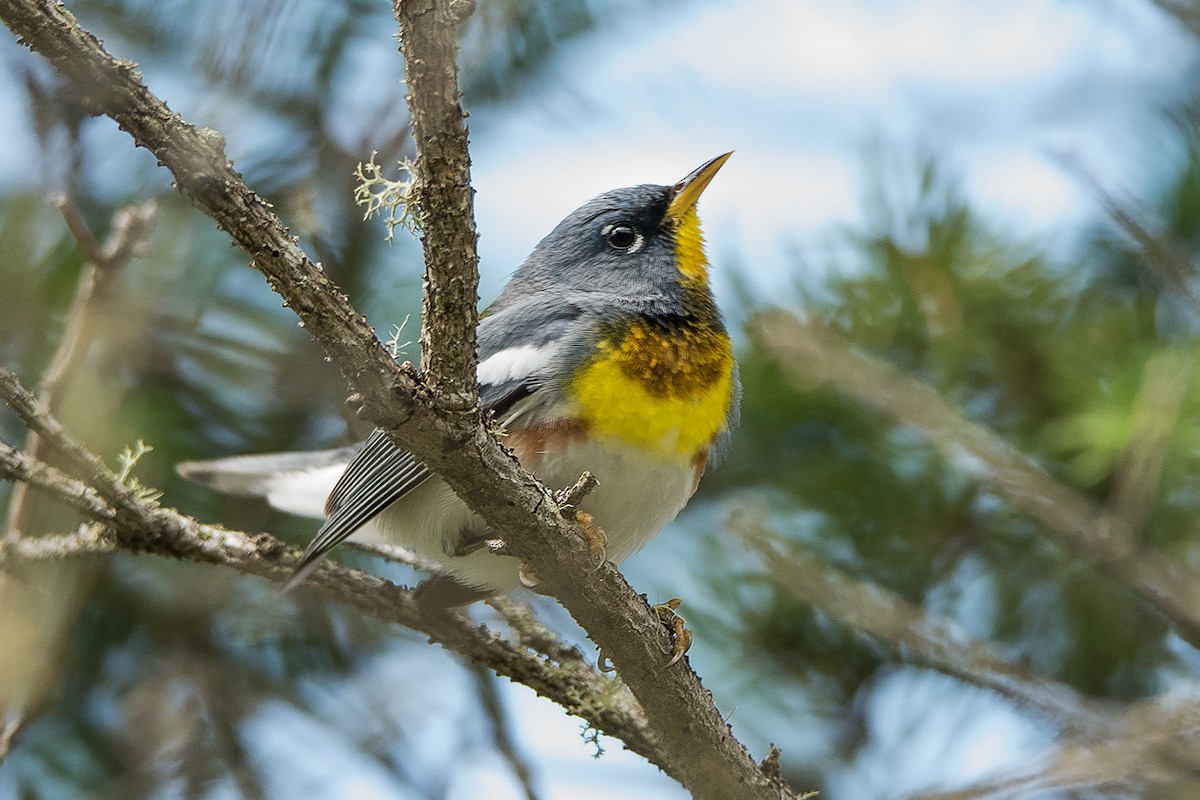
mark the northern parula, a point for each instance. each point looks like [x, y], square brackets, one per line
[605, 352]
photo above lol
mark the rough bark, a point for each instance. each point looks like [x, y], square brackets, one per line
[439, 421]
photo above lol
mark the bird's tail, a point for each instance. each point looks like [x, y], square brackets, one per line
[297, 483]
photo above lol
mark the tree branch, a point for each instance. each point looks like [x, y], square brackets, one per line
[812, 355]
[924, 637]
[1166, 260]
[694, 744]
[1153, 741]
[444, 200]
[568, 681]
[697, 746]
[1154, 744]
[614, 616]
[131, 226]
[88, 540]
[18, 466]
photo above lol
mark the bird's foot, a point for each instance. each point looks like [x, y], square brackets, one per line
[527, 578]
[595, 537]
[681, 637]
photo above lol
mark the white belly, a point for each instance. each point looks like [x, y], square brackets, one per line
[637, 495]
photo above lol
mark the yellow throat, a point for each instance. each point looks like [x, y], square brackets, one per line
[666, 390]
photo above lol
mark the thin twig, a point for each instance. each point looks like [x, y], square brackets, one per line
[16, 465]
[77, 225]
[1164, 259]
[531, 633]
[131, 227]
[570, 497]
[13, 726]
[87, 540]
[396, 553]
[520, 618]
[82, 462]
[493, 707]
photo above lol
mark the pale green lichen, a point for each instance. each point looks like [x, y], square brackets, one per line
[592, 736]
[391, 199]
[128, 460]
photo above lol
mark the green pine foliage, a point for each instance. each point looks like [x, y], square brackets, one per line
[1052, 355]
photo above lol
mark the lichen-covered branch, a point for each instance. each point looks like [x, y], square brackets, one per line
[712, 763]
[132, 524]
[444, 198]
[693, 742]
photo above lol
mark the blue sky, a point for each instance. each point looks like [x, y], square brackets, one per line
[800, 89]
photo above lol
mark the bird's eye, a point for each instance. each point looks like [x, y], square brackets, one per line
[623, 238]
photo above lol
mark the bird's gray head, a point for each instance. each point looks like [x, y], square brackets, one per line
[641, 244]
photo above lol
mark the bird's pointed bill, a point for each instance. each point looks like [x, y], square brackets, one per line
[688, 191]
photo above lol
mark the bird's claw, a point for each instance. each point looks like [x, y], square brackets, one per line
[596, 538]
[681, 637]
[526, 577]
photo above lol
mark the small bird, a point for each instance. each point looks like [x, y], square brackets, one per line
[604, 353]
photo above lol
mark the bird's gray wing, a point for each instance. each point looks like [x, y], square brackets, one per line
[524, 347]
[523, 343]
[379, 474]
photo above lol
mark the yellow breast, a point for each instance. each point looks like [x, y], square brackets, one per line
[667, 392]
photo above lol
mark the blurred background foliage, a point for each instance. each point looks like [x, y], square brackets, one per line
[174, 680]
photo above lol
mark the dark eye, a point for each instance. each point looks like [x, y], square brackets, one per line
[622, 237]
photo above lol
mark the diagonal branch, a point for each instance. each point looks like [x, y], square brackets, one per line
[695, 744]
[925, 637]
[140, 527]
[131, 226]
[712, 762]
[1163, 258]
[1153, 744]
[814, 355]
[1151, 741]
